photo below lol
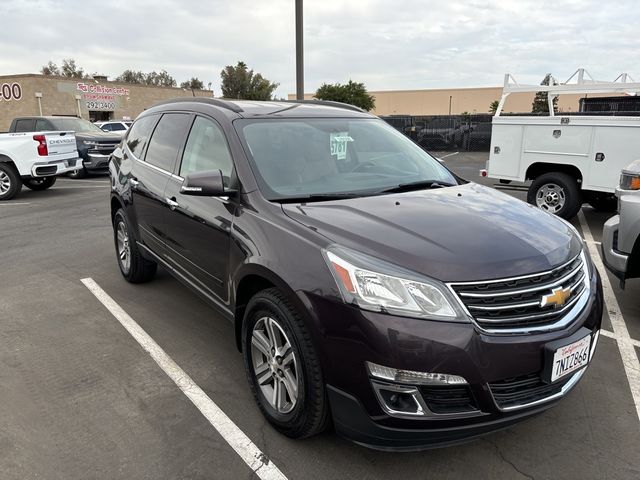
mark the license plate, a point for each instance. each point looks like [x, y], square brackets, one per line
[569, 358]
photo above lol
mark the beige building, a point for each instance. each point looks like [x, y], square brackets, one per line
[455, 101]
[93, 99]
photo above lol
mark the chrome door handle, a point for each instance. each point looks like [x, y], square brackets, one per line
[134, 183]
[172, 203]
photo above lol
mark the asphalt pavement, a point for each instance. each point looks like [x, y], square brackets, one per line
[81, 399]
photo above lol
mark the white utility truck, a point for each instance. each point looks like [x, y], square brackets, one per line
[35, 159]
[570, 159]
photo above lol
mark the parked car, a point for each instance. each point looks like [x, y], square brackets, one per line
[94, 145]
[621, 233]
[34, 160]
[365, 282]
[114, 125]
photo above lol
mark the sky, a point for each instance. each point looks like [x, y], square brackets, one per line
[387, 44]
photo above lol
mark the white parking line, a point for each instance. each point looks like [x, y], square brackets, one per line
[243, 446]
[2, 204]
[607, 333]
[620, 331]
[81, 186]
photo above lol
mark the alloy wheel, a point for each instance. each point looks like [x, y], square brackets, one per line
[551, 198]
[5, 183]
[124, 249]
[274, 365]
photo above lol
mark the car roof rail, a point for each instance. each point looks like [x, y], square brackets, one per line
[328, 103]
[211, 101]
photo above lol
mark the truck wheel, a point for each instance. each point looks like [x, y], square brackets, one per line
[603, 202]
[282, 366]
[79, 173]
[133, 266]
[10, 182]
[556, 193]
[39, 183]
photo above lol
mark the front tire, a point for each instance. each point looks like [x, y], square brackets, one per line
[133, 266]
[556, 193]
[10, 182]
[282, 366]
[39, 183]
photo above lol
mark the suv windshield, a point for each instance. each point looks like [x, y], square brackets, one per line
[75, 124]
[316, 158]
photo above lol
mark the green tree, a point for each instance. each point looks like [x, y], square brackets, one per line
[352, 93]
[241, 83]
[194, 84]
[493, 107]
[160, 79]
[131, 76]
[70, 69]
[540, 102]
[50, 69]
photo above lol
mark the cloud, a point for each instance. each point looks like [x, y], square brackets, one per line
[388, 44]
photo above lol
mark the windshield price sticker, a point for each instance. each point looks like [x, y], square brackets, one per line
[338, 142]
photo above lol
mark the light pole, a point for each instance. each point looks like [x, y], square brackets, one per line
[299, 53]
[450, 97]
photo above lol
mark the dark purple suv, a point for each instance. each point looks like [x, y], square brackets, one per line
[368, 285]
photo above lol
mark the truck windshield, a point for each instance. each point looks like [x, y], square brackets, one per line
[75, 125]
[317, 158]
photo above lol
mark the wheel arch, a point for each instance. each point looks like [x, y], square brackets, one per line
[540, 168]
[7, 159]
[252, 279]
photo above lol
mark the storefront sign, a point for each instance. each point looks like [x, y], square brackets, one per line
[10, 91]
[101, 97]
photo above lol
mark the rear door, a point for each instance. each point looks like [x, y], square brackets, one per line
[150, 151]
[198, 228]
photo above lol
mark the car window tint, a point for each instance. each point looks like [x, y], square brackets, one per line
[139, 134]
[42, 125]
[167, 139]
[206, 149]
[117, 127]
[106, 127]
[24, 125]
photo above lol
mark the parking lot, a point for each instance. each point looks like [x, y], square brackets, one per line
[81, 398]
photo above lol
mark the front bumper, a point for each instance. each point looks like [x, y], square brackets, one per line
[57, 167]
[350, 337]
[614, 260]
[96, 162]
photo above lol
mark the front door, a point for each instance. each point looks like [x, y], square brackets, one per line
[198, 228]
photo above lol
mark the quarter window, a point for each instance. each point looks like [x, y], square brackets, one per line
[167, 139]
[206, 149]
[24, 125]
[139, 135]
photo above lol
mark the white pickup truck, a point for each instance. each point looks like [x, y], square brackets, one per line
[35, 159]
[570, 159]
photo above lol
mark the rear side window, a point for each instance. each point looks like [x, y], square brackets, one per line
[24, 125]
[43, 126]
[117, 127]
[139, 135]
[167, 140]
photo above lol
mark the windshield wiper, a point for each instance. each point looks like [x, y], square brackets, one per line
[419, 185]
[319, 197]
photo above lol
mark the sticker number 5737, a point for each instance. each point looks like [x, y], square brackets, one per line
[10, 91]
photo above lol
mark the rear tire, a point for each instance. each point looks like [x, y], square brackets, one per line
[556, 193]
[279, 359]
[133, 266]
[39, 183]
[603, 202]
[79, 173]
[10, 182]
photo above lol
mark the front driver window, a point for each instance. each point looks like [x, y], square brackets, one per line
[206, 149]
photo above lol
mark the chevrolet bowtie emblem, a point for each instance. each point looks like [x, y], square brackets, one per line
[557, 298]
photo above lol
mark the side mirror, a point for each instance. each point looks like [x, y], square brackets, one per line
[209, 183]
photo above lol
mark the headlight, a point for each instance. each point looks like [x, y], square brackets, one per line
[629, 181]
[378, 286]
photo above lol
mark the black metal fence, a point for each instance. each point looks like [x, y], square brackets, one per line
[445, 132]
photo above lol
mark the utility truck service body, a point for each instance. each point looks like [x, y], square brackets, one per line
[570, 159]
[34, 159]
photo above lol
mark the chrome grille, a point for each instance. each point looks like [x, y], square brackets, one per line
[517, 303]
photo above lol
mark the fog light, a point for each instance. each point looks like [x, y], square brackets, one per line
[411, 377]
[399, 401]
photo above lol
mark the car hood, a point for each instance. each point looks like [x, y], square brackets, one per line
[463, 233]
[99, 136]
